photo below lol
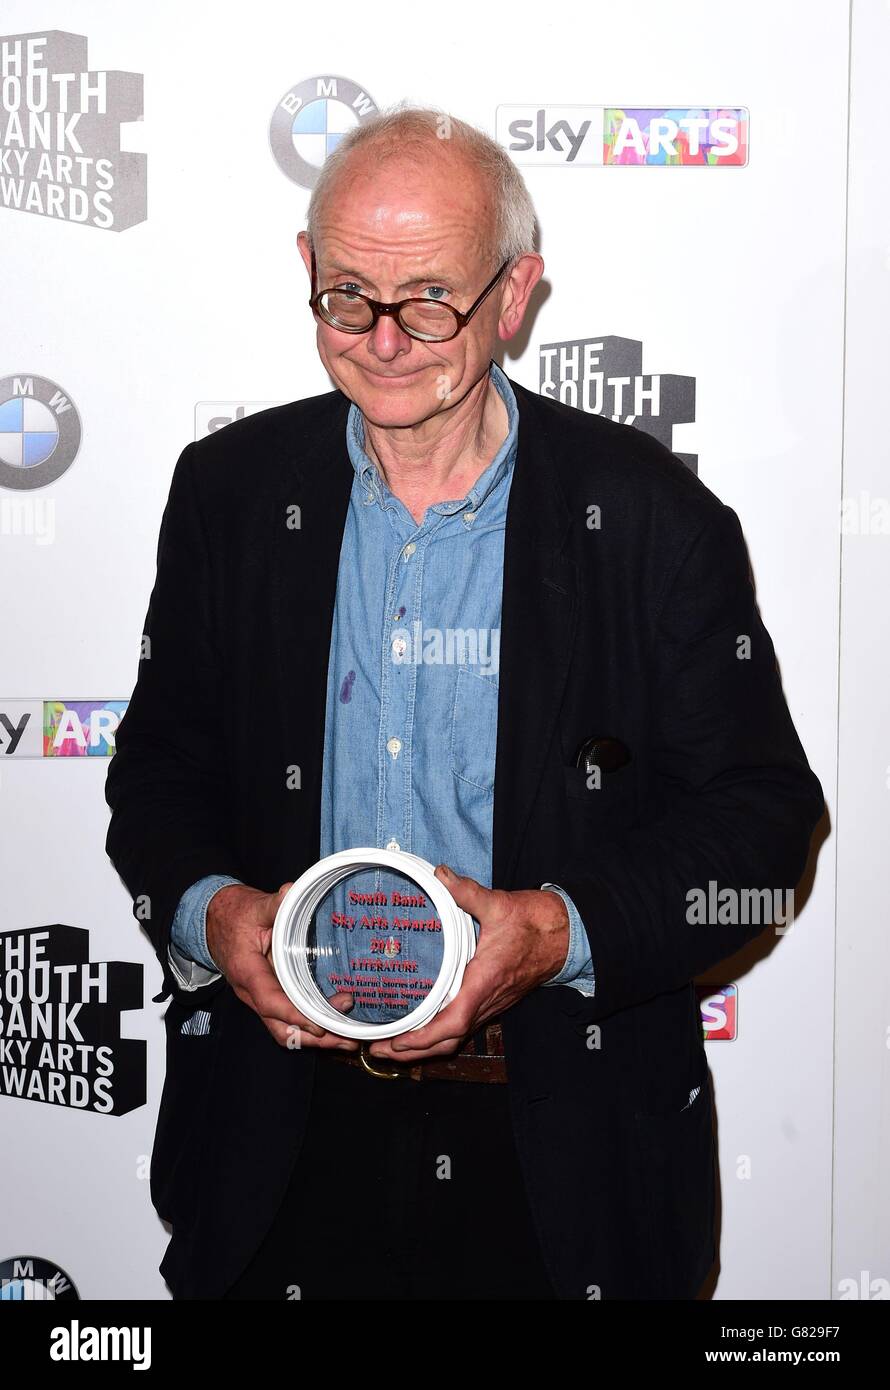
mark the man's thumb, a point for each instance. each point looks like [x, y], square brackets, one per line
[464, 891]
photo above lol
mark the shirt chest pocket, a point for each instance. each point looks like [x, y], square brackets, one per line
[474, 728]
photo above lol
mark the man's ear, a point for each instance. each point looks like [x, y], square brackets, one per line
[523, 277]
[304, 247]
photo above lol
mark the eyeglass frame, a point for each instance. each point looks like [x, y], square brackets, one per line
[394, 310]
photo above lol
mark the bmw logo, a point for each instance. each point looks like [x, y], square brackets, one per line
[28, 1279]
[40, 432]
[311, 119]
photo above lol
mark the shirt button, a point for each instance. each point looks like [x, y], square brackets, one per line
[392, 844]
[394, 746]
[469, 518]
[409, 550]
[399, 646]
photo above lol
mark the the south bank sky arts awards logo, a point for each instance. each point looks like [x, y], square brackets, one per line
[604, 376]
[60, 133]
[40, 431]
[60, 1024]
[310, 120]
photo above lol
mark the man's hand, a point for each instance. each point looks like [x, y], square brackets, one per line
[523, 941]
[239, 938]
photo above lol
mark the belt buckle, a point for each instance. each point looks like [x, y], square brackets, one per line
[364, 1058]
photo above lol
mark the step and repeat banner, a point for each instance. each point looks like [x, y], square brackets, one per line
[689, 172]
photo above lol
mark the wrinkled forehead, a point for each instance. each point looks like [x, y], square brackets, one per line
[438, 207]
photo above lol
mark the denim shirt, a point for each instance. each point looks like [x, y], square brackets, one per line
[410, 732]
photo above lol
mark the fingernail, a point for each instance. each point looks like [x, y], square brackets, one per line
[444, 870]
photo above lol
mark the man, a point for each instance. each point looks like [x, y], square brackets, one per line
[549, 1133]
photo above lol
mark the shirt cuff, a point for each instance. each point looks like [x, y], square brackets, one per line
[577, 969]
[190, 961]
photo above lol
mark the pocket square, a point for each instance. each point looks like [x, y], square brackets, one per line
[197, 1025]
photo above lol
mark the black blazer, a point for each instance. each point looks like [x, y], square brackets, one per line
[629, 629]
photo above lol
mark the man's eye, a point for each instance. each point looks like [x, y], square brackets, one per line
[437, 291]
[350, 286]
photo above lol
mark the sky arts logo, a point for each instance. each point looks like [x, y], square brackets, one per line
[59, 728]
[672, 137]
[40, 432]
[604, 376]
[28, 1279]
[311, 119]
[719, 1012]
[60, 134]
[211, 416]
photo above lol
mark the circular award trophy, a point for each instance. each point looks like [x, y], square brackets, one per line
[375, 925]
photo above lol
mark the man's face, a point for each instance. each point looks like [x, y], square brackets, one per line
[399, 232]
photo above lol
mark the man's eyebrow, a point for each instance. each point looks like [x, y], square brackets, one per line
[405, 285]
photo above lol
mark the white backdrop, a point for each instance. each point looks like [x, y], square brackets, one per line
[731, 277]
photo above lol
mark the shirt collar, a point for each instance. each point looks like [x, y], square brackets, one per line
[368, 474]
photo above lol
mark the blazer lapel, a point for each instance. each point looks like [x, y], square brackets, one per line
[304, 565]
[538, 620]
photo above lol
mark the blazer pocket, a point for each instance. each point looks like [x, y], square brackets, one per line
[192, 1050]
[677, 1157]
[474, 725]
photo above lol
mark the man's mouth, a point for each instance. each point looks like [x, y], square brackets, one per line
[393, 376]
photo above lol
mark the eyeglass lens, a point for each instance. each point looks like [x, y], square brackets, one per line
[424, 317]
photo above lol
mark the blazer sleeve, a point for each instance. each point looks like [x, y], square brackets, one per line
[166, 783]
[737, 799]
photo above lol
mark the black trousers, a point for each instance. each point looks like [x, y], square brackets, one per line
[405, 1189]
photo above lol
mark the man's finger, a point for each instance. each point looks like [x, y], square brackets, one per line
[467, 892]
[269, 1000]
[290, 1036]
[385, 1049]
[477, 900]
[456, 1020]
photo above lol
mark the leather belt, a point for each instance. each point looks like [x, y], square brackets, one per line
[480, 1059]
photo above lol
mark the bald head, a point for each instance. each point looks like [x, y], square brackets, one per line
[398, 185]
[419, 138]
[411, 199]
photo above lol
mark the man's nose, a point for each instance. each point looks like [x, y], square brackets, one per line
[387, 339]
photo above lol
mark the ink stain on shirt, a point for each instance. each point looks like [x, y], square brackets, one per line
[346, 688]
